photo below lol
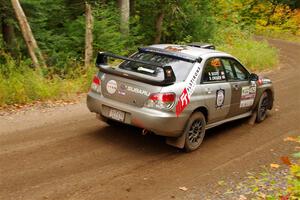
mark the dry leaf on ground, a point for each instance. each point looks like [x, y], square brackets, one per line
[183, 188]
[286, 160]
[275, 166]
[290, 139]
[242, 197]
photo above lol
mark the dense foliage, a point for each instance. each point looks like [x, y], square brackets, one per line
[59, 28]
[59, 25]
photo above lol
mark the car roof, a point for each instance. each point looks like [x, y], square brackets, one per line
[190, 51]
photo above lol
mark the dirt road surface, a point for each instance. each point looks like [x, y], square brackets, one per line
[66, 153]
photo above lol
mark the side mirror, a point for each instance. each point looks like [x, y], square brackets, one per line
[253, 77]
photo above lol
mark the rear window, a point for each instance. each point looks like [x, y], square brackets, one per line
[181, 68]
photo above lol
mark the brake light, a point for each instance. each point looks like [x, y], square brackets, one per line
[161, 100]
[96, 80]
[164, 97]
[96, 84]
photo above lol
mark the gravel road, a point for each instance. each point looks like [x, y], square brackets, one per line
[65, 153]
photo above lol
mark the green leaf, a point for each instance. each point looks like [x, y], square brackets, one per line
[296, 155]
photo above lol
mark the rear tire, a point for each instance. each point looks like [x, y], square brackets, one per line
[194, 132]
[262, 107]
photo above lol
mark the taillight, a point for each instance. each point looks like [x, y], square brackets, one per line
[96, 84]
[96, 80]
[161, 100]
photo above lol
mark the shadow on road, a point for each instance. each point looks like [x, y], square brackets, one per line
[130, 138]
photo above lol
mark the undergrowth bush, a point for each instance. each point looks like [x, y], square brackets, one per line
[19, 83]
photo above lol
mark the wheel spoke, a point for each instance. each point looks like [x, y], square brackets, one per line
[194, 134]
[263, 107]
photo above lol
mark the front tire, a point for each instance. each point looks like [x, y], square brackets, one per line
[262, 107]
[194, 132]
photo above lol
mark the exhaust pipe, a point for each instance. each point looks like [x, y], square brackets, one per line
[145, 132]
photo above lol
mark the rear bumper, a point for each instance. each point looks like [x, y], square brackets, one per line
[159, 122]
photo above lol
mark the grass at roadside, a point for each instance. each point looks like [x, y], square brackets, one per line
[255, 55]
[280, 35]
[20, 84]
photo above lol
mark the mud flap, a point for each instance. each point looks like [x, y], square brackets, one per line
[252, 118]
[176, 141]
[101, 118]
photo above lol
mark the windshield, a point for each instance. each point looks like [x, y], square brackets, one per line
[181, 68]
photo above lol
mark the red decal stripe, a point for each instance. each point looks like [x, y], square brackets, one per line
[184, 100]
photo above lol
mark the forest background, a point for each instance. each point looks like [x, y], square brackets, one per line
[59, 27]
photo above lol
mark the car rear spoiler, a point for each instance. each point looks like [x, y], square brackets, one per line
[102, 64]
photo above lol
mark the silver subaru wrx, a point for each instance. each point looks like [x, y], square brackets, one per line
[177, 91]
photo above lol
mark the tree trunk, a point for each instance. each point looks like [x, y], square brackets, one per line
[88, 36]
[132, 7]
[158, 26]
[8, 33]
[271, 14]
[30, 41]
[124, 6]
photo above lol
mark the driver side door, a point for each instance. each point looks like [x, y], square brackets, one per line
[243, 91]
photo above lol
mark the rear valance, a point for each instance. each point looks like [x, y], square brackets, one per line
[102, 64]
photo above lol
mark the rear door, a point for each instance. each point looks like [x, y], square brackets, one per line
[243, 91]
[215, 90]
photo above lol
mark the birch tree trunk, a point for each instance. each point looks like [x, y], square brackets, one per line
[30, 41]
[88, 36]
[124, 6]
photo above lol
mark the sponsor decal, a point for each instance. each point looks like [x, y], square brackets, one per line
[184, 98]
[175, 48]
[216, 76]
[151, 71]
[248, 95]
[220, 98]
[123, 88]
[138, 91]
[111, 86]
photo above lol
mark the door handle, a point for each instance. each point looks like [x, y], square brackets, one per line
[235, 86]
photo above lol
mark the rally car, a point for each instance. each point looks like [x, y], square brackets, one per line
[177, 91]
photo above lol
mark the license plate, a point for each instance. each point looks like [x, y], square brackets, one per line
[116, 114]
